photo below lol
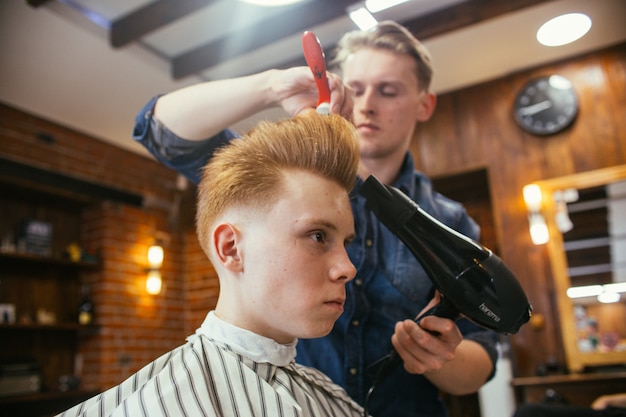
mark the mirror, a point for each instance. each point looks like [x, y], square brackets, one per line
[586, 218]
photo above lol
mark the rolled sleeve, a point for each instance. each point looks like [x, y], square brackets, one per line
[187, 157]
[486, 338]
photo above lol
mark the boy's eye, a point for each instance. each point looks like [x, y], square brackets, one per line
[319, 237]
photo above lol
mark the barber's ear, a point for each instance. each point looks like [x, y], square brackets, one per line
[227, 248]
[426, 106]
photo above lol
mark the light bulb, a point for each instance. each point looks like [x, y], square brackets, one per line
[154, 282]
[155, 256]
[532, 196]
[539, 233]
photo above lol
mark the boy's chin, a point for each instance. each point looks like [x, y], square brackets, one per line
[314, 334]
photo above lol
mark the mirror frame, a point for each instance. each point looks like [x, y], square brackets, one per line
[575, 359]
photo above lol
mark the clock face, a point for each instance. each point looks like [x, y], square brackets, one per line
[546, 105]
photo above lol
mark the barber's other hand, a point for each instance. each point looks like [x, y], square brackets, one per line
[295, 91]
[419, 346]
[614, 400]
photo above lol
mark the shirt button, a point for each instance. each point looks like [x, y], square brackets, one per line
[354, 371]
[355, 323]
[358, 282]
[368, 243]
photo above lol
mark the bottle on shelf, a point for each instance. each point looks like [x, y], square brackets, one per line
[85, 308]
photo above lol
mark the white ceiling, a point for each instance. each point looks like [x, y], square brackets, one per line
[56, 63]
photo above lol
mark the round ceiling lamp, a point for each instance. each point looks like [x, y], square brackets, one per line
[564, 29]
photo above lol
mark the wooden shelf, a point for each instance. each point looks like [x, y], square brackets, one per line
[42, 403]
[71, 327]
[577, 389]
[567, 378]
[26, 257]
[45, 286]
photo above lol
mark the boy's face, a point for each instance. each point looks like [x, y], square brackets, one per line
[386, 100]
[295, 265]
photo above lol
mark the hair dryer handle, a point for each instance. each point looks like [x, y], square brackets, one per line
[443, 309]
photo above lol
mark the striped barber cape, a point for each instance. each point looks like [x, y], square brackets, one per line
[223, 371]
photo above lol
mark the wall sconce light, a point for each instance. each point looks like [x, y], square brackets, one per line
[155, 261]
[561, 198]
[539, 233]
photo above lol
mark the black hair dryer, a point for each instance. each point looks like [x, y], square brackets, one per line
[471, 279]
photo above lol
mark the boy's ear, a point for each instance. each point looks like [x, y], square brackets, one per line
[227, 248]
[426, 107]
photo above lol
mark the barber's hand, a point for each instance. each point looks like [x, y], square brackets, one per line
[420, 349]
[296, 91]
[614, 400]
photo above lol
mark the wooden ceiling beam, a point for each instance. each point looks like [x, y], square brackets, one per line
[444, 20]
[36, 3]
[464, 14]
[295, 20]
[142, 21]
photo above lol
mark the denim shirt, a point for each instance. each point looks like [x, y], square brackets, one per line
[390, 284]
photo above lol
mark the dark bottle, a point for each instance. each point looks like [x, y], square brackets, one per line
[85, 308]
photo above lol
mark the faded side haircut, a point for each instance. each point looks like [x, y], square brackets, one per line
[249, 172]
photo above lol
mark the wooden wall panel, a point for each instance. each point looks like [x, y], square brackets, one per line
[474, 128]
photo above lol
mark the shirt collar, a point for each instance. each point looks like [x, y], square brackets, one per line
[404, 182]
[247, 343]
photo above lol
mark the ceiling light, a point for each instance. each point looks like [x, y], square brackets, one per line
[378, 5]
[271, 3]
[564, 29]
[361, 17]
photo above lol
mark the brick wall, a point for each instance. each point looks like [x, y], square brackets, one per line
[134, 327]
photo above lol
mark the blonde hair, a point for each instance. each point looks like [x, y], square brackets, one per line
[249, 172]
[391, 36]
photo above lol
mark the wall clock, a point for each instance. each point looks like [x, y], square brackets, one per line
[546, 105]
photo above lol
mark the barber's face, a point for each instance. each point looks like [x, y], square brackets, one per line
[386, 100]
[295, 262]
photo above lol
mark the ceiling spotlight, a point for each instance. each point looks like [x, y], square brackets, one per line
[361, 17]
[564, 29]
[375, 6]
[271, 3]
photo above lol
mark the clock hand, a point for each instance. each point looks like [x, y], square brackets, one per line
[535, 108]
